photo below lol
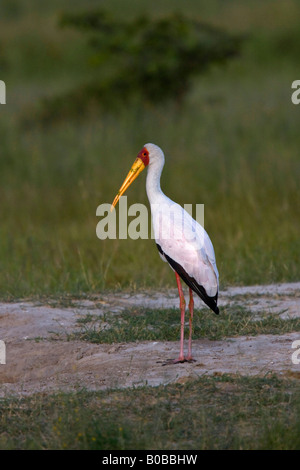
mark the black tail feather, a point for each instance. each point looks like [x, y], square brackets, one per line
[211, 302]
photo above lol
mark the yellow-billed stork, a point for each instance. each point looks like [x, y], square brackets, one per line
[181, 241]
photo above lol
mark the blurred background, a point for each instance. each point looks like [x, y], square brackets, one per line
[90, 82]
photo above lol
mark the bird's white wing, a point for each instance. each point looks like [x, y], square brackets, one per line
[187, 243]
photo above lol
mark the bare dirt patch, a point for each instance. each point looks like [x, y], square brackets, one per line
[40, 359]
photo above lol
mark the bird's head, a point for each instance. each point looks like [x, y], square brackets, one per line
[148, 155]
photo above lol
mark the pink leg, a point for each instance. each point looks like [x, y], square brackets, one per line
[182, 309]
[191, 309]
[181, 357]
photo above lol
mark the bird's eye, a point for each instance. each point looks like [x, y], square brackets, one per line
[145, 154]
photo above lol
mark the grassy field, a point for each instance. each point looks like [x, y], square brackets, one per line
[209, 413]
[162, 325]
[233, 146]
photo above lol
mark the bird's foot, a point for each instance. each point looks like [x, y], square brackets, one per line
[178, 361]
[190, 359]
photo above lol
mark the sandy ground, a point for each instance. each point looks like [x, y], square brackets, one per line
[40, 359]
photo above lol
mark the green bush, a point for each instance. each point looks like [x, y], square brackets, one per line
[146, 60]
[156, 57]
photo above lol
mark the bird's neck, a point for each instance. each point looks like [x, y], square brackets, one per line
[153, 188]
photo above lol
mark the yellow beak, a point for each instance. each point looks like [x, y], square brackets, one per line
[134, 172]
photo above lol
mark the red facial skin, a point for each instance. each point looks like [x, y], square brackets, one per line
[144, 156]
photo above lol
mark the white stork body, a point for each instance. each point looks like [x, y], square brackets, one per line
[181, 241]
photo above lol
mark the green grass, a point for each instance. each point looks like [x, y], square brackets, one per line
[164, 324]
[221, 412]
[233, 146]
